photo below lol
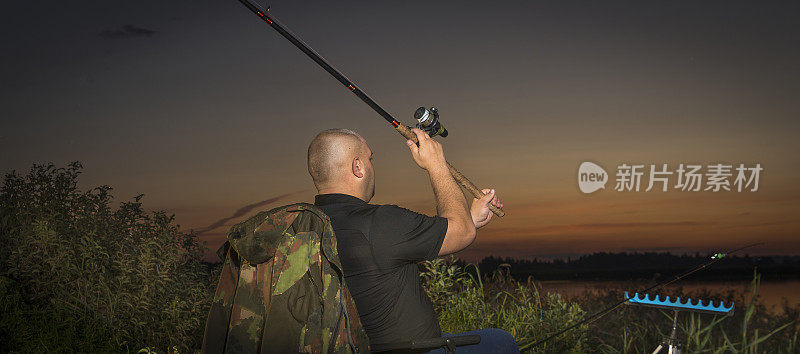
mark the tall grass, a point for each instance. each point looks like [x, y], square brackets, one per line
[752, 328]
[466, 301]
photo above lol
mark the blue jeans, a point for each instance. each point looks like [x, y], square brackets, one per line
[493, 340]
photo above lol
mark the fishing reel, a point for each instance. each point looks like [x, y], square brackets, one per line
[428, 121]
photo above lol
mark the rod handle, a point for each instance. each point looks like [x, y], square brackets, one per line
[460, 178]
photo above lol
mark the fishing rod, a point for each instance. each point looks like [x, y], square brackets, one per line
[428, 119]
[591, 318]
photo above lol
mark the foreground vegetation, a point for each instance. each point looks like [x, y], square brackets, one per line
[77, 275]
[465, 301]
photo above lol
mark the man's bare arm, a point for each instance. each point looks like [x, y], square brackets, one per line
[450, 201]
[451, 204]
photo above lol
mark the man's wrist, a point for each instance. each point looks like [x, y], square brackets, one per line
[439, 170]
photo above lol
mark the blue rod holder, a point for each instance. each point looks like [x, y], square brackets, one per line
[678, 305]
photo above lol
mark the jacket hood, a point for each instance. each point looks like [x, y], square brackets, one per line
[257, 238]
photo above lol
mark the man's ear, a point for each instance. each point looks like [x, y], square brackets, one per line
[358, 168]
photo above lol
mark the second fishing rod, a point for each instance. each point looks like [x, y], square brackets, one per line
[428, 119]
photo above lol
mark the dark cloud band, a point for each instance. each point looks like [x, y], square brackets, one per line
[239, 213]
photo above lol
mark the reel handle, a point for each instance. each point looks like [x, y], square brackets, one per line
[460, 178]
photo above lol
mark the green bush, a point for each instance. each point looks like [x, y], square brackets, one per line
[76, 275]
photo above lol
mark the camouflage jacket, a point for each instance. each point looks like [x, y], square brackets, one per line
[281, 289]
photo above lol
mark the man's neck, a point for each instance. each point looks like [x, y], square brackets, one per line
[342, 191]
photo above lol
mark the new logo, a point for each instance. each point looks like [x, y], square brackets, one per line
[591, 177]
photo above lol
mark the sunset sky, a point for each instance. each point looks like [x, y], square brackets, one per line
[206, 110]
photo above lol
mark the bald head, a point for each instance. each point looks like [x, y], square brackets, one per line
[331, 154]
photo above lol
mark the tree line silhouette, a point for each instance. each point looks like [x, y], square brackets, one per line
[647, 266]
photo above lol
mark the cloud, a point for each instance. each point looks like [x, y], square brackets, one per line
[240, 212]
[642, 224]
[128, 31]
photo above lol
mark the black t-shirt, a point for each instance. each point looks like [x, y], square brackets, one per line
[379, 247]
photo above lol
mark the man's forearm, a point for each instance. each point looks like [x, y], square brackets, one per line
[451, 204]
[450, 201]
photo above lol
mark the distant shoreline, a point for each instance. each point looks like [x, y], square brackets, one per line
[646, 266]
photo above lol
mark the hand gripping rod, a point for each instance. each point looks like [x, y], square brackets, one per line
[402, 129]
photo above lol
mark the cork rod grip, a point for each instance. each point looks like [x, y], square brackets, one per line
[460, 178]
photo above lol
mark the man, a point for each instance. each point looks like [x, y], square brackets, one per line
[380, 245]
